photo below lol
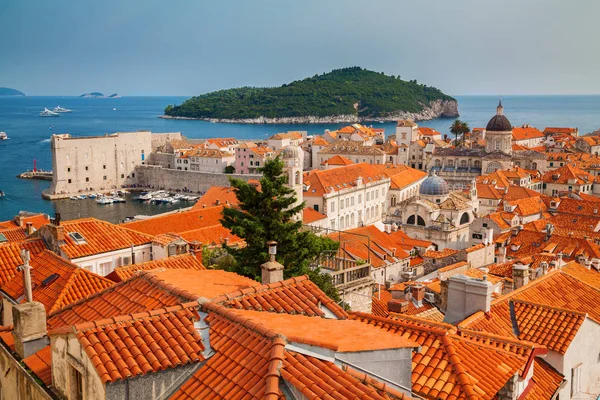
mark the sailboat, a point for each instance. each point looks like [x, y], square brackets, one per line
[59, 109]
[48, 113]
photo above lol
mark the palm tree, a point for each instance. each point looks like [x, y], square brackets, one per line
[461, 128]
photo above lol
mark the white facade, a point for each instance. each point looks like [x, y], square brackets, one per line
[105, 263]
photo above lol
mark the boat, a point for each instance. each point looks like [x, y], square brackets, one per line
[59, 109]
[105, 200]
[48, 113]
[82, 197]
[3, 136]
[92, 196]
[2, 193]
[118, 199]
[74, 198]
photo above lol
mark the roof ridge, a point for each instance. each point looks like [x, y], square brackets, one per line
[247, 323]
[560, 309]
[409, 321]
[507, 296]
[172, 289]
[499, 338]
[65, 288]
[100, 323]
[259, 289]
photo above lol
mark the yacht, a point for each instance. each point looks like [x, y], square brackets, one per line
[59, 109]
[1, 193]
[48, 113]
[105, 200]
[3, 136]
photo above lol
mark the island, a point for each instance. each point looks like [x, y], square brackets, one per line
[10, 92]
[343, 95]
[93, 95]
[114, 96]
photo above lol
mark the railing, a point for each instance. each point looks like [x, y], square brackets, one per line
[344, 271]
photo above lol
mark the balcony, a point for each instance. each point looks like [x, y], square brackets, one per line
[346, 273]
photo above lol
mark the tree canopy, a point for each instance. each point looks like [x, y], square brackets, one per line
[459, 128]
[267, 214]
[346, 91]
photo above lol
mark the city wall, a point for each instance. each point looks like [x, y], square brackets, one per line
[161, 178]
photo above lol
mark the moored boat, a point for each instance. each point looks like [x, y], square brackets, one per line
[47, 113]
[59, 109]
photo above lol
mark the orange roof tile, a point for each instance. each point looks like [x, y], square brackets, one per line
[214, 235]
[141, 292]
[545, 382]
[40, 363]
[56, 282]
[183, 261]
[379, 306]
[554, 130]
[100, 237]
[447, 252]
[449, 366]
[453, 266]
[425, 131]
[328, 333]
[319, 141]
[587, 276]
[337, 160]
[530, 243]
[216, 195]
[178, 222]
[139, 344]
[297, 295]
[309, 215]
[568, 175]
[526, 132]
[320, 182]
[10, 256]
[37, 222]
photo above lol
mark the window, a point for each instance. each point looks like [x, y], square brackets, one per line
[104, 167]
[76, 384]
[69, 169]
[575, 380]
[69, 181]
[87, 179]
[359, 198]
[123, 175]
[133, 174]
[86, 168]
[105, 268]
[332, 206]
[3, 238]
[104, 177]
[316, 207]
[77, 237]
[352, 201]
[464, 219]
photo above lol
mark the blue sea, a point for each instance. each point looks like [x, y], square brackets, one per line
[29, 136]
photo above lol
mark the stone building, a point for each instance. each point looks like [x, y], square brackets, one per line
[204, 160]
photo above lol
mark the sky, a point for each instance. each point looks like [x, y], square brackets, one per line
[189, 47]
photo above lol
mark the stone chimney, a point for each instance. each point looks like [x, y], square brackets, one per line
[466, 296]
[272, 271]
[417, 293]
[19, 219]
[29, 229]
[502, 255]
[56, 230]
[397, 306]
[520, 275]
[26, 269]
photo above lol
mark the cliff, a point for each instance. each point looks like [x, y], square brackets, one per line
[345, 95]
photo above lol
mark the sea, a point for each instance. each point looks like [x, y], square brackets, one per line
[30, 137]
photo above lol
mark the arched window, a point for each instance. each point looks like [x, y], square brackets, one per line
[420, 221]
[438, 162]
[391, 158]
[463, 163]
[347, 220]
[411, 220]
[492, 167]
[464, 219]
[393, 201]
[352, 219]
[534, 165]
[451, 163]
[297, 178]
[341, 223]
[497, 144]
[477, 164]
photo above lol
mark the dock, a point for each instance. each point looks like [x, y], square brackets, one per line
[41, 175]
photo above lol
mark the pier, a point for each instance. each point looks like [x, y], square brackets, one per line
[39, 174]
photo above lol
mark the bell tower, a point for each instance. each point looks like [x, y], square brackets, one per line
[293, 157]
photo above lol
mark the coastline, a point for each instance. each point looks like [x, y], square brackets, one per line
[436, 109]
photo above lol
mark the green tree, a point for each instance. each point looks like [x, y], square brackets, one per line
[459, 128]
[268, 214]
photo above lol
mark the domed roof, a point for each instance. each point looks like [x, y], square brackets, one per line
[291, 151]
[499, 123]
[434, 186]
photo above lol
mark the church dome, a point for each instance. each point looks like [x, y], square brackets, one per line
[499, 123]
[434, 186]
[290, 151]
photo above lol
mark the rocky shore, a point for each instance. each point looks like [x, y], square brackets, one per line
[435, 109]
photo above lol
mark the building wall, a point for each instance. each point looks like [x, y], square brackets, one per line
[105, 263]
[552, 189]
[355, 158]
[359, 300]
[390, 272]
[208, 164]
[97, 163]
[194, 181]
[15, 382]
[165, 160]
[67, 354]
[481, 257]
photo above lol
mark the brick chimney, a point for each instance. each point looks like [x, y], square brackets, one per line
[417, 293]
[397, 306]
[272, 271]
[520, 275]
[196, 249]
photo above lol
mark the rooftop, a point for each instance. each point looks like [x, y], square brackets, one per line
[183, 261]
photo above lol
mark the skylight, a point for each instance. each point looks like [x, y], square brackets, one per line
[77, 237]
[3, 238]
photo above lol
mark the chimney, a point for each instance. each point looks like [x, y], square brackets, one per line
[29, 320]
[196, 249]
[29, 229]
[467, 296]
[502, 255]
[272, 271]
[19, 219]
[56, 230]
[520, 275]
[397, 306]
[417, 293]
[544, 266]
[26, 269]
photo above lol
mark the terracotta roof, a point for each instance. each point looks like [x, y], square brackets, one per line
[529, 243]
[286, 135]
[297, 295]
[319, 141]
[578, 207]
[216, 195]
[56, 282]
[100, 237]
[320, 182]
[402, 175]
[453, 266]
[554, 130]
[545, 381]
[178, 222]
[587, 276]
[165, 238]
[183, 261]
[141, 292]
[206, 153]
[309, 215]
[526, 132]
[223, 142]
[214, 235]
[402, 239]
[37, 222]
[526, 206]
[337, 160]
[449, 366]
[566, 173]
[40, 363]
[10, 256]
[379, 307]
[425, 131]
[447, 252]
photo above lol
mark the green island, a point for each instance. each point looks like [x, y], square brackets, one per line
[10, 92]
[347, 94]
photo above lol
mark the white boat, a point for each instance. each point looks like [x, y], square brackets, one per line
[3, 136]
[105, 200]
[82, 197]
[1, 193]
[48, 113]
[74, 198]
[118, 199]
[59, 109]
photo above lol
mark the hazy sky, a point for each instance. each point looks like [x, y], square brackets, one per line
[187, 47]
